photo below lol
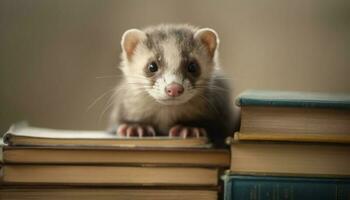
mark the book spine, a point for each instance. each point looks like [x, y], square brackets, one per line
[275, 188]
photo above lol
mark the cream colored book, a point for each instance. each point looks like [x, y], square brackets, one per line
[118, 156]
[108, 175]
[286, 158]
[106, 194]
[290, 137]
[268, 119]
[24, 135]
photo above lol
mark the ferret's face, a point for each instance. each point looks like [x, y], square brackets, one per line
[172, 67]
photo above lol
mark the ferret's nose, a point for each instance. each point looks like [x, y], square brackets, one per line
[174, 89]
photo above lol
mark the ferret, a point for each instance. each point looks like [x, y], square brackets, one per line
[172, 85]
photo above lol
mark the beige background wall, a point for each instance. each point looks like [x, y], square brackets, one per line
[58, 56]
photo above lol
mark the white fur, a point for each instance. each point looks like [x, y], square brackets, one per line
[171, 77]
[132, 69]
[158, 91]
[173, 60]
[171, 55]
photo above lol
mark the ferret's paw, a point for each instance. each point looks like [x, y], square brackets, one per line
[135, 130]
[186, 131]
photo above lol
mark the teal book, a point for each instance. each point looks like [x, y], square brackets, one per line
[293, 99]
[239, 187]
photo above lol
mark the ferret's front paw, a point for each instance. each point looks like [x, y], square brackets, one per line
[135, 130]
[186, 131]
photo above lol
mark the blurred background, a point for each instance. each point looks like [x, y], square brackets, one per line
[58, 57]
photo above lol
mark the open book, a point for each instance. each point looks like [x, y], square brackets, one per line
[21, 134]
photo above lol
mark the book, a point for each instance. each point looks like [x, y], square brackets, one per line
[269, 188]
[108, 175]
[42, 193]
[204, 157]
[293, 99]
[290, 137]
[277, 112]
[24, 135]
[288, 158]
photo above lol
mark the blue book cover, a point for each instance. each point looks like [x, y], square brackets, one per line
[239, 187]
[293, 99]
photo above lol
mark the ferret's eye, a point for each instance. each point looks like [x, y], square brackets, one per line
[192, 67]
[152, 67]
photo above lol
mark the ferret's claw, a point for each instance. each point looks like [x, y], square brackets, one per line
[184, 131]
[196, 132]
[135, 130]
[150, 131]
[121, 131]
[131, 131]
[140, 131]
[175, 131]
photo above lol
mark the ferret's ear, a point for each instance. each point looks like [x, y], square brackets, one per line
[130, 39]
[209, 38]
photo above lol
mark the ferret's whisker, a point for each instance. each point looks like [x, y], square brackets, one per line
[135, 77]
[136, 83]
[109, 103]
[213, 87]
[110, 76]
[104, 111]
[209, 103]
[141, 87]
[99, 98]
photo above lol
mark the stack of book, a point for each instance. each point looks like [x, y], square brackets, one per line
[55, 164]
[291, 145]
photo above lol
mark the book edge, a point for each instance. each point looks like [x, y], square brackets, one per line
[291, 138]
[247, 98]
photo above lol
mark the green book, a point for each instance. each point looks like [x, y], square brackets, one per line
[293, 99]
[278, 188]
